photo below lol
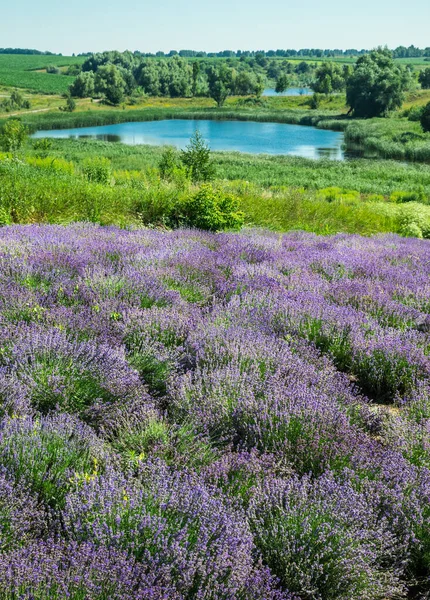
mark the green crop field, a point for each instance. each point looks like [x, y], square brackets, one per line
[23, 71]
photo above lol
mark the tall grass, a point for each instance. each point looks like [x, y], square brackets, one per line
[56, 190]
[365, 176]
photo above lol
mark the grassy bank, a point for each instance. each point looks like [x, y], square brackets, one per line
[281, 193]
[365, 176]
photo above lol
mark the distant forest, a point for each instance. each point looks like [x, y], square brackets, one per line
[399, 52]
[27, 51]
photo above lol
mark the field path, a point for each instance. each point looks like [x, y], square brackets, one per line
[27, 112]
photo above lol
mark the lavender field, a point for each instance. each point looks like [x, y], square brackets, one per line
[187, 415]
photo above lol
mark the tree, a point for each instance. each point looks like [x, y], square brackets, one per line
[424, 78]
[196, 71]
[70, 105]
[197, 158]
[109, 81]
[282, 83]
[425, 118]
[221, 83]
[246, 83]
[329, 77]
[83, 86]
[13, 135]
[377, 85]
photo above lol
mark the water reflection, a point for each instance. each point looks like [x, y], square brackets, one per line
[239, 136]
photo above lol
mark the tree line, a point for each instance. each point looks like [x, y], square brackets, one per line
[114, 75]
[374, 85]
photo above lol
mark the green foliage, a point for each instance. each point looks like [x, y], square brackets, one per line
[282, 83]
[424, 78]
[13, 134]
[16, 101]
[425, 118]
[221, 83]
[416, 196]
[53, 70]
[44, 460]
[110, 82]
[70, 105]
[42, 146]
[97, 169]
[172, 169]
[377, 84]
[415, 113]
[315, 101]
[211, 209]
[414, 220]
[197, 158]
[83, 86]
[329, 77]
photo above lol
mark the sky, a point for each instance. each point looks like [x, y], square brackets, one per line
[97, 25]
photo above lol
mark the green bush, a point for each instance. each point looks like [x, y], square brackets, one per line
[315, 101]
[414, 221]
[13, 135]
[414, 114]
[97, 169]
[197, 158]
[335, 193]
[425, 118]
[210, 209]
[418, 196]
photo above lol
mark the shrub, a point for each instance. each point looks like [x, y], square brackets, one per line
[325, 541]
[172, 518]
[418, 196]
[197, 158]
[42, 146]
[97, 169]
[412, 218]
[44, 455]
[415, 113]
[315, 101]
[210, 209]
[171, 168]
[13, 135]
[425, 118]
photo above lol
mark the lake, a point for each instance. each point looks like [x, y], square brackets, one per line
[240, 136]
[294, 91]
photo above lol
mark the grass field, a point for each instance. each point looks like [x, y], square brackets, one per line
[23, 71]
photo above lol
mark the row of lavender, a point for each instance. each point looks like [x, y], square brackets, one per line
[196, 416]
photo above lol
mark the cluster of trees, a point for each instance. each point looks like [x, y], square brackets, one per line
[16, 101]
[399, 52]
[331, 77]
[411, 52]
[375, 84]
[113, 75]
[26, 51]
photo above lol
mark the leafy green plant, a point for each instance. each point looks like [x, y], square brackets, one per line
[197, 158]
[425, 118]
[13, 135]
[211, 209]
[97, 169]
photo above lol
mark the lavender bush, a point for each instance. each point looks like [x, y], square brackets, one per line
[198, 416]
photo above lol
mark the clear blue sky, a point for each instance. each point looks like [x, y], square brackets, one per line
[96, 25]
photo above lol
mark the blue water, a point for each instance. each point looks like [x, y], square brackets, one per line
[294, 91]
[240, 136]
